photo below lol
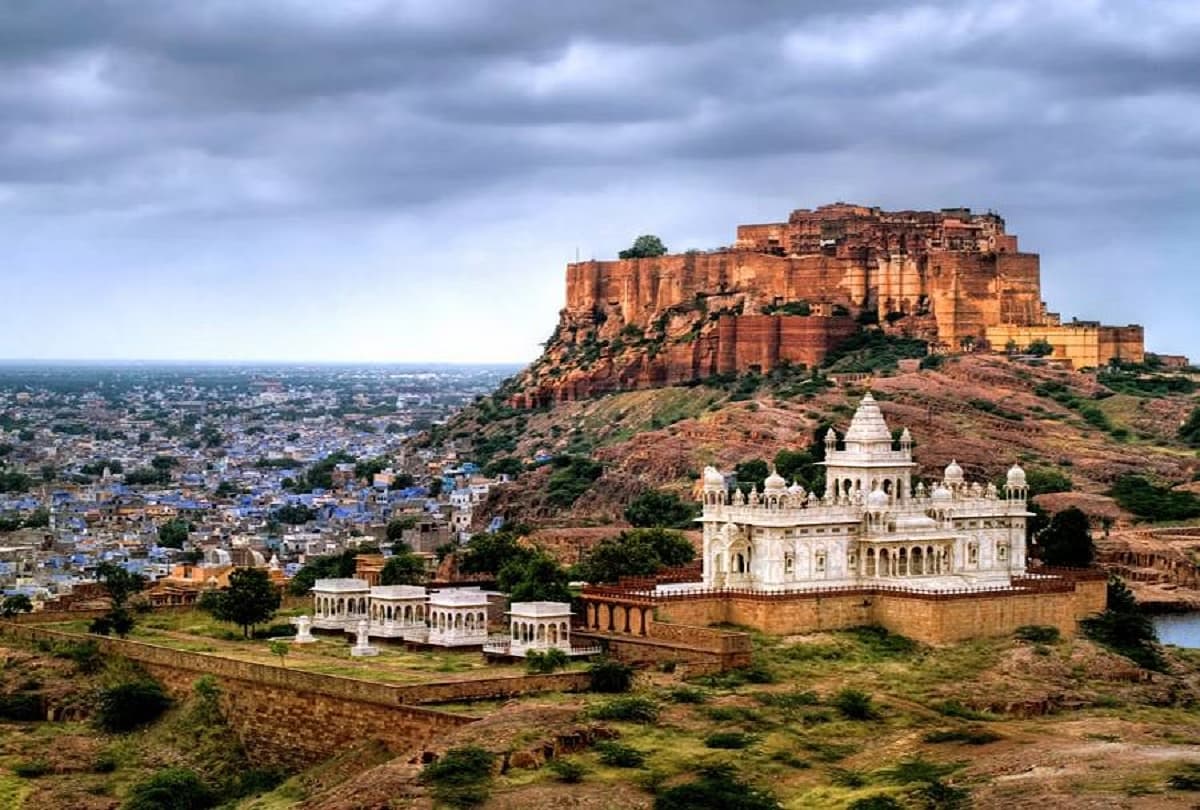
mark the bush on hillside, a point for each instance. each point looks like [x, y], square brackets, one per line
[170, 789]
[718, 788]
[129, 705]
[461, 777]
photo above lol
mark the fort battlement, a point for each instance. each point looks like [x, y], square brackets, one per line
[792, 291]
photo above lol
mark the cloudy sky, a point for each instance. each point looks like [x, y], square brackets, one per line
[404, 181]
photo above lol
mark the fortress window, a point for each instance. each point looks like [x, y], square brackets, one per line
[852, 560]
[1002, 553]
[820, 562]
[972, 554]
[789, 563]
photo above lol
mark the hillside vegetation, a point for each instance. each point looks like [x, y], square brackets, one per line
[985, 411]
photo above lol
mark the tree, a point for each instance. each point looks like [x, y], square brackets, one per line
[663, 509]
[534, 577]
[281, 648]
[644, 247]
[403, 568]
[398, 526]
[14, 604]
[1068, 540]
[488, 553]
[38, 519]
[174, 533]
[331, 566]
[119, 583]
[635, 553]
[1189, 432]
[250, 599]
[752, 473]
[1040, 347]
[1124, 629]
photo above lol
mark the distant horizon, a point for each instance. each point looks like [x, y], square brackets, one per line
[81, 361]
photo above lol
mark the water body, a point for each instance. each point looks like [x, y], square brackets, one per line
[1180, 629]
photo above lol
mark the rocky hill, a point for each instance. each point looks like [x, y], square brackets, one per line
[985, 411]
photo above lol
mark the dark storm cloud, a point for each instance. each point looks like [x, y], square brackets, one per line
[432, 99]
[296, 111]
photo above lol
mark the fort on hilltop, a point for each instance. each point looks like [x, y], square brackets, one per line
[790, 292]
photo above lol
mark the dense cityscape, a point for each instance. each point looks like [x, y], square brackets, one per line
[158, 467]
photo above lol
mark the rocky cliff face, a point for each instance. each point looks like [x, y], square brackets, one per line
[789, 292]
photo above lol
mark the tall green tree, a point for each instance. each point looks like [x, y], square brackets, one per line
[534, 578]
[1189, 432]
[14, 604]
[662, 509]
[1068, 540]
[403, 568]
[645, 246]
[120, 585]
[250, 599]
[635, 553]
[174, 533]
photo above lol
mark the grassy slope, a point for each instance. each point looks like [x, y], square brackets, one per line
[985, 411]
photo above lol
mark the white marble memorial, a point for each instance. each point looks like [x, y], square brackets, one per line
[872, 525]
[339, 604]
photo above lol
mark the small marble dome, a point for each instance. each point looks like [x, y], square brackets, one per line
[796, 489]
[941, 494]
[713, 477]
[877, 500]
[905, 437]
[1016, 476]
[953, 473]
[774, 483]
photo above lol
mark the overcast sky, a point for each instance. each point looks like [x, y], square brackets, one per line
[404, 181]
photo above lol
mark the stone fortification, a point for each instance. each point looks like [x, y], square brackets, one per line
[792, 291]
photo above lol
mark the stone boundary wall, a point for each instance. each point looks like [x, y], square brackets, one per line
[932, 621]
[289, 718]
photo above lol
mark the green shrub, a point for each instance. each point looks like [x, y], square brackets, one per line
[461, 777]
[684, 694]
[1186, 779]
[620, 756]
[572, 476]
[566, 770]
[917, 769]
[131, 704]
[728, 739]
[787, 700]
[22, 706]
[31, 769]
[716, 789]
[170, 789]
[879, 642]
[104, 763]
[632, 709]
[854, 704]
[1037, 633]
[610, 676]
[971, 735]
[85, 654]
[877, 802]
[846, 777]
[537, 662]
[1146, 500]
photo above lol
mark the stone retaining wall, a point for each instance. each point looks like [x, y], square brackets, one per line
[289, 718]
